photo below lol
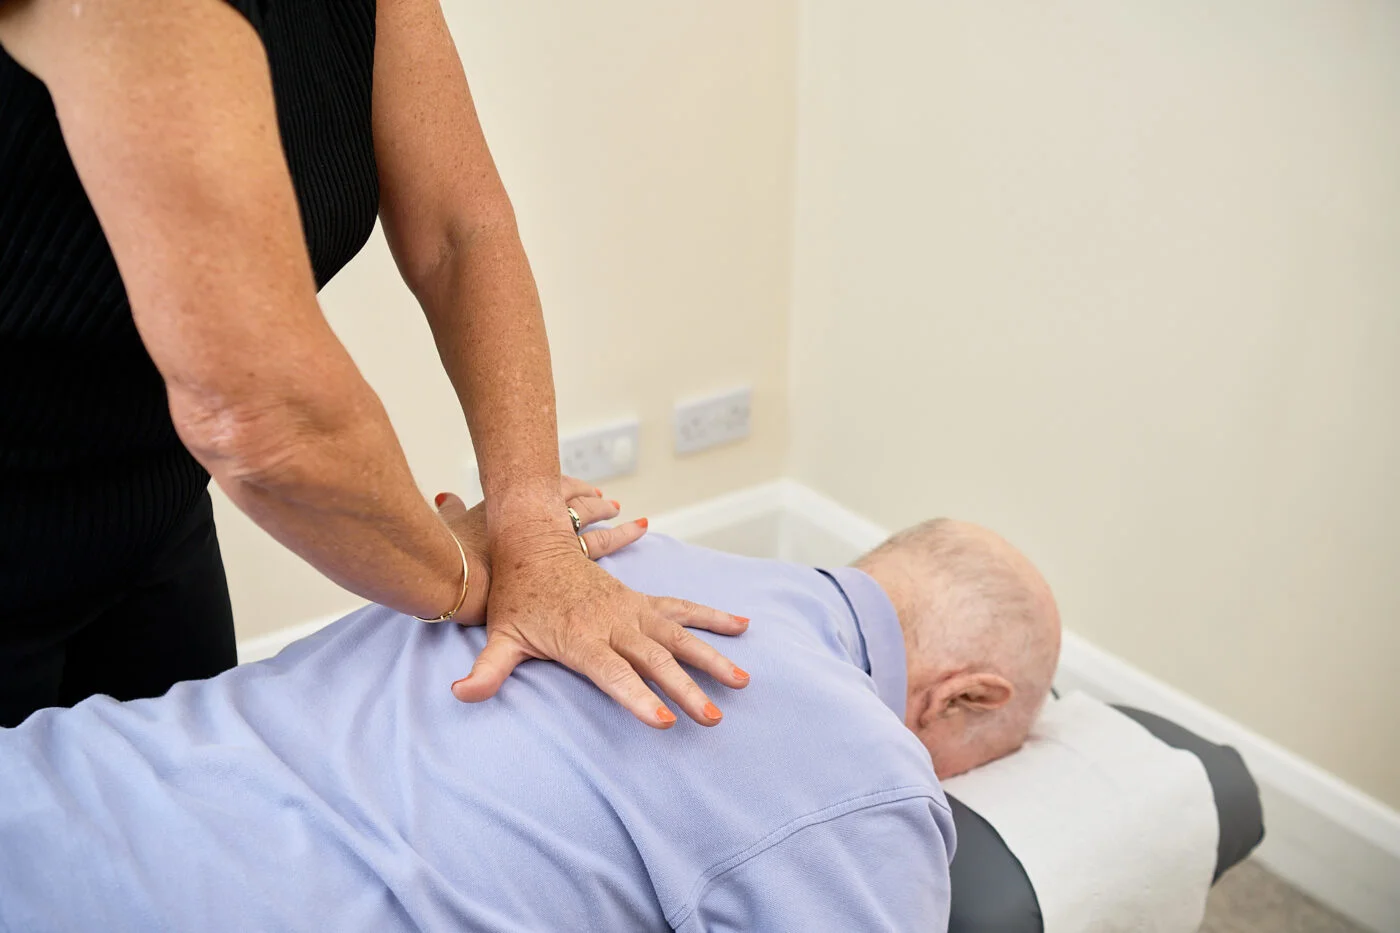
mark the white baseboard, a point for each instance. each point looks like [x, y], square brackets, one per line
[1322, 835]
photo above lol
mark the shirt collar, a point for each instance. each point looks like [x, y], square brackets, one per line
[880, 631]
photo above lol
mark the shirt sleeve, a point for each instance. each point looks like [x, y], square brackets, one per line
[883, 867]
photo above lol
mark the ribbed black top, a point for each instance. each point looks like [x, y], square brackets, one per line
[92, 474]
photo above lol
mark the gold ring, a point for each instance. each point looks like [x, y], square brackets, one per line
[578, 524]
[584, 545]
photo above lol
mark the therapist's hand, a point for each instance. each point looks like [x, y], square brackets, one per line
[547, 601]
[469, 525]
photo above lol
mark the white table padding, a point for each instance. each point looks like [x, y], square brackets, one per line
[1116, 830]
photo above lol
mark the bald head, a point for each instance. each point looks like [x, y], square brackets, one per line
[982, 635]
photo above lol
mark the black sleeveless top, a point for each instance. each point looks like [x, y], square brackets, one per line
[92, 474]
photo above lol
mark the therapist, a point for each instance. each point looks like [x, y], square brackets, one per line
[178, 178]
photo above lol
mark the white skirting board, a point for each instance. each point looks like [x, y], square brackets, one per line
[1322, 835]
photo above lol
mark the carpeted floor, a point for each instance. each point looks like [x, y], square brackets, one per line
[1248, 899]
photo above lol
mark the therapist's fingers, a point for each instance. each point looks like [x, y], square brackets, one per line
[615, 676]
[493, 665]
[697, 652]
[593, 509]
[657, 665]
[605, 541]
[694, 615]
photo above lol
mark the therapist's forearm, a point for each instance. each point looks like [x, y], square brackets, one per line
[484, 311]
[322, 472]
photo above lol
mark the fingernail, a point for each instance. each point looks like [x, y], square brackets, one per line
[740, 673]
[711, 711]
[665, 716]
[598, 492]
[616, 504]
[742, 619]
[642, 522]
[441, 498]
[462, 681]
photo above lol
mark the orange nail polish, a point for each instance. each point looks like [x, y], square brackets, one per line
[598, 492]
[743, 619]
[642, 522]
[616, 504]
[665, 716]
[441, 498]
[740, 673]
[711, 711]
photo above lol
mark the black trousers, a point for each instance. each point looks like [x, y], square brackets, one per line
[170, 622]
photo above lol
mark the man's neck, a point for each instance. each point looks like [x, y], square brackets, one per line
[898, 587]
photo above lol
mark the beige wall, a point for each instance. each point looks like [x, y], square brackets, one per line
[1123, 281]
[648, 149]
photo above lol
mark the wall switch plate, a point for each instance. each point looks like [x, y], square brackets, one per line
[601, 453]
[716, 419]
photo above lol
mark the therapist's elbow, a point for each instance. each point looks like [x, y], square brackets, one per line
[266, 441]
[437, 256]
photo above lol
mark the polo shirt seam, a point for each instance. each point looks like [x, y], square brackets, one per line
[782, 833]
[855, 617]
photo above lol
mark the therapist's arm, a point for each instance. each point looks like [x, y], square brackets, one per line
[167, 110]
[877, 868]
[452, 231]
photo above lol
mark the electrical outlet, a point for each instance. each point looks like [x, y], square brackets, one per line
[716, 419]
[602, 453]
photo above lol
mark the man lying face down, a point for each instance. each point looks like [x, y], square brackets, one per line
[340, 786]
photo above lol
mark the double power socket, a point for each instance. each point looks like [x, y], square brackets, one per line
[697, 424]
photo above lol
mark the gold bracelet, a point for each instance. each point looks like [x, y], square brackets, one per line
[463, 597]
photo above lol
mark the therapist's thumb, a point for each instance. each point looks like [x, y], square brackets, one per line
[493, 665]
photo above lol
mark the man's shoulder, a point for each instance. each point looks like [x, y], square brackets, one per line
[880, 861]
[808, 741]
[657, 554]
[813, 773]
[809, 697]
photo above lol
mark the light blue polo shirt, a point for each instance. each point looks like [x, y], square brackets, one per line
[340, 786]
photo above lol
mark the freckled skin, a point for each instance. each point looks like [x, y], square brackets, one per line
[168, 112]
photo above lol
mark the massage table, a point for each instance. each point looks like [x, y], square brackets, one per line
[991, 892]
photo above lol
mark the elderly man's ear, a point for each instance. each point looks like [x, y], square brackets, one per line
[939, 712]
[955, 695]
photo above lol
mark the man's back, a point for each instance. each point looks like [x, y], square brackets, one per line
[340, 785]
